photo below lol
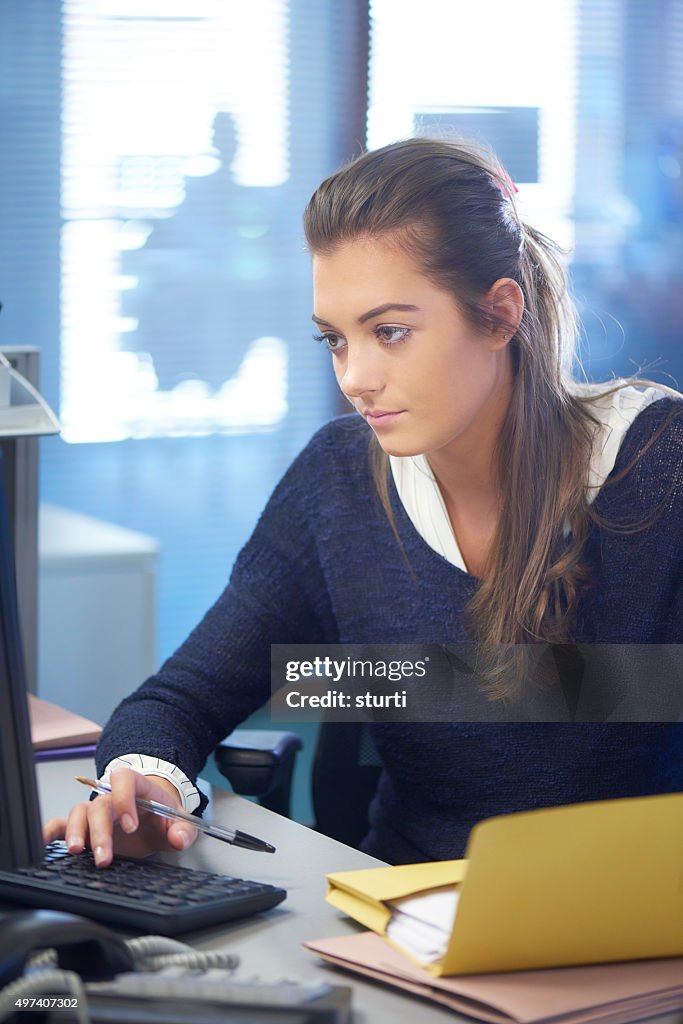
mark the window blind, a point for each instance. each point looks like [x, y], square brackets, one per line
[582, 100]
[186, 137]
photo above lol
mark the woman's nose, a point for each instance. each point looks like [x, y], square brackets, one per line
[361, 373]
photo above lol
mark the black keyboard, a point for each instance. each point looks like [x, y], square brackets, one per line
[157, 899]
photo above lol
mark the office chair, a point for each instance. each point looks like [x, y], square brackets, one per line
[345, 773]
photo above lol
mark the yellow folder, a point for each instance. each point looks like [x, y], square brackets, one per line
[578, 884]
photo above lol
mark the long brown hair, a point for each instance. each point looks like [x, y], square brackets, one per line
[455, 205]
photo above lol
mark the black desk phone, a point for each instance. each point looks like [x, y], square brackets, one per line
[120, 985]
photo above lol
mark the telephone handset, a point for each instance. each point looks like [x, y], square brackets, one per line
[84, 946]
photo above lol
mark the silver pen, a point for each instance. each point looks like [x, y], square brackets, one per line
[226, 835]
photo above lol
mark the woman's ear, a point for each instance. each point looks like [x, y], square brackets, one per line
[505, 302]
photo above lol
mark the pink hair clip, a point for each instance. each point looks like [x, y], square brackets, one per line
[505, 180]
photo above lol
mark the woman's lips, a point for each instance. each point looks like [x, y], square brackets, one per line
[377, 418]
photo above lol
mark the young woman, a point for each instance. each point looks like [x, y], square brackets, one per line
[477, 493]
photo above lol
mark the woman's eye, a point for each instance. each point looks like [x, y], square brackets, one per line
[391, 335]
[333, 342]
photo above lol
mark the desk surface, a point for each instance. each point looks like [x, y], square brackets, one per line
[270, 946]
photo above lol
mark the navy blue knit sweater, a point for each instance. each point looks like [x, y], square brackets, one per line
[323, 566]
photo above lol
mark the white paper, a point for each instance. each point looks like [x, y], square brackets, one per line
[421, 924]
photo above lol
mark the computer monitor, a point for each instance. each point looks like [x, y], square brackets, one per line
[20, 835]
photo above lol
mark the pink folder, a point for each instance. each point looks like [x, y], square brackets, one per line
[52, 727]
[597, 994]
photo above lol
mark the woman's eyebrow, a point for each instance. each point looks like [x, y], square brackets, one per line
[402, 307]
[377, 311]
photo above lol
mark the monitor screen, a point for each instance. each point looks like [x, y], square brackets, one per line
[20, 836]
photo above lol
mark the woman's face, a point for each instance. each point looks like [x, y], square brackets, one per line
[404, 355]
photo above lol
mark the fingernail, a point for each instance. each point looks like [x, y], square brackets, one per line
[74, 844]
[127, 823]
[185, 839]
[99, 854]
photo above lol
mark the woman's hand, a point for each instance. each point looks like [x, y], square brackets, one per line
[114, 824]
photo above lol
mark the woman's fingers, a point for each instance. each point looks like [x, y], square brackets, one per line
[100, 828]
[126, 785]
[89, 823]
[53, 829]
[114, 823]
[180, 836]
[76, 828]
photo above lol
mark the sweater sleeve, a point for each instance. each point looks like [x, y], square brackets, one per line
[221, 673]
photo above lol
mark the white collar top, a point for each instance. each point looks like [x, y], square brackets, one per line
[422, 499]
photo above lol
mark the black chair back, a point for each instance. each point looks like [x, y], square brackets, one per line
[346, 770]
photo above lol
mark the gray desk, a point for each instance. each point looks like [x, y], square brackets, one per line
[269, 946]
